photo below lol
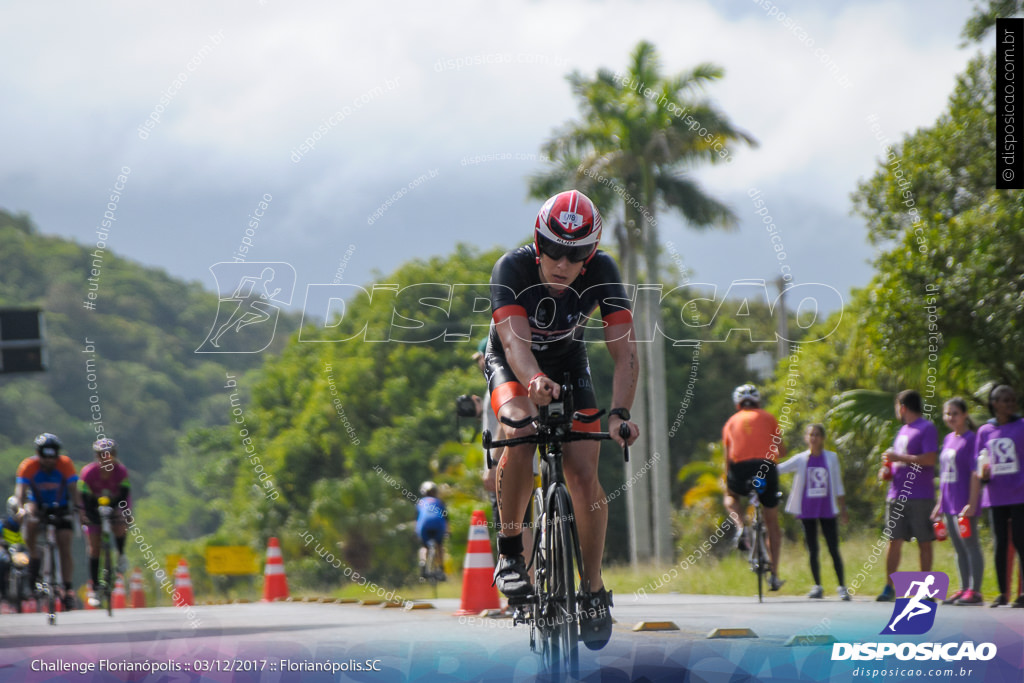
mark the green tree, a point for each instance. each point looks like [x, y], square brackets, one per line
[639, 137]
[948, 296]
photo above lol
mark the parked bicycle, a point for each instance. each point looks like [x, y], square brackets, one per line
[552, 609]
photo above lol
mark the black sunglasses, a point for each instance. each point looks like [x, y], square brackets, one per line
[555, 251]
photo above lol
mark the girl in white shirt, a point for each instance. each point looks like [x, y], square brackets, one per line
[817, 499]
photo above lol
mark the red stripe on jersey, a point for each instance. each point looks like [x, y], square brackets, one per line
[503, 393]
[507, 312]
[618, 317]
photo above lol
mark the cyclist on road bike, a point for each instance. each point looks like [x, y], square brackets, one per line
[431, 524]
[11, 539]
[47, 481]
[106, 476]
[542, 295]
[753, 445]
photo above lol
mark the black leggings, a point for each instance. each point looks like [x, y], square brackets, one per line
[1000, 517]
[830, 530]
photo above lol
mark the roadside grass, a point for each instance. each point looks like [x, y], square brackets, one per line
[729, 573]
[724, 571]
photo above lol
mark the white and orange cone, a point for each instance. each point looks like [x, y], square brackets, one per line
[183, 585]
[478, 590]
[117, 598]
[275, 582]
[138, 589]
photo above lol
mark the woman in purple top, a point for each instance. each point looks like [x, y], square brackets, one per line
[817, 497]
[956, 464]
[106, 476]
[1000, 445]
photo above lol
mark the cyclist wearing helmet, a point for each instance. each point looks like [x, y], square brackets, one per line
[753, 445]
[11, 538]
[105, 476]
[47, 481]
[431, 524]
[542, 295]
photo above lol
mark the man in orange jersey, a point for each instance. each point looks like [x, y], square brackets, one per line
[753, 445]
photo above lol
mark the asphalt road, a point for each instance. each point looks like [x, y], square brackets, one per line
[298, 641]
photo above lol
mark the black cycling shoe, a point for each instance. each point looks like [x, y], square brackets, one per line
[68, 601]
[510, 576]
[595, 618]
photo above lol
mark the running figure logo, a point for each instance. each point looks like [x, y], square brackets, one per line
[914, 613]
[251, 296]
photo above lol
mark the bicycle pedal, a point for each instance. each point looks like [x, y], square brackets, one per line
[520, 600]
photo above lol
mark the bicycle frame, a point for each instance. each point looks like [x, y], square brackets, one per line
[760, 562]
[50, 571]
[106, 573]
[556, 557]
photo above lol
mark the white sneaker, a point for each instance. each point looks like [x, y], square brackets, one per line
[93, 600]
[817, 593]
[843, 593]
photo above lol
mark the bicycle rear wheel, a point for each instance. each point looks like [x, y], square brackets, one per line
[762, 560]
[563, 609]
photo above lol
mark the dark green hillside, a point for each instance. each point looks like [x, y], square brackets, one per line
[149, 385]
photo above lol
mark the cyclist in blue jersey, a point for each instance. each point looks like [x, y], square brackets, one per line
[542, 295]
[46, 482]
[431, 524]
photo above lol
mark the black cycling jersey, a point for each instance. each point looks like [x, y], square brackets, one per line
[556, 322]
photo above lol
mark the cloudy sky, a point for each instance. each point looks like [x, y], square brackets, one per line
[232, 90]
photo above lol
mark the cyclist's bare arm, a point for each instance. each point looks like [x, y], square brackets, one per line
[622, 347]
[514, 332]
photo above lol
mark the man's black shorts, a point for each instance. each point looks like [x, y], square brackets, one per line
[740, 474]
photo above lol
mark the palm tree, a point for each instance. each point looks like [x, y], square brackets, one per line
[637, 139]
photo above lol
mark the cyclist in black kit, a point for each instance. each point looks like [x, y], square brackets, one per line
[542, 295]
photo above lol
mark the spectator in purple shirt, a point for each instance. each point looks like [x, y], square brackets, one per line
[956, 465]
[911, 496]
[817, 497]
[1000, 444]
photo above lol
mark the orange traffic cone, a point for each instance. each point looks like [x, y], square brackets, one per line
[86, 600]
[478, 591]
[138, 589]
[275, 582]
[183, 585]
[117, 598]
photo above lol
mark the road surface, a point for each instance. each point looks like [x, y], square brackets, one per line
[329, 642]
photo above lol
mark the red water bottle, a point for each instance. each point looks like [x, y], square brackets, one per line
[941, 534]
[964, 524]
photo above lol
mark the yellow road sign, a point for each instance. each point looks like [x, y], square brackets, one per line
[231, 559]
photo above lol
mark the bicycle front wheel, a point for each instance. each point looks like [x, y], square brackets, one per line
[106, 582]
[564, 610]
[51, 585]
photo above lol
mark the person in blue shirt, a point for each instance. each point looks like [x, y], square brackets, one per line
[431, 524]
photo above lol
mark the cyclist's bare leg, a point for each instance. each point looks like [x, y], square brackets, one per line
[64, 545]
[735, 507]
[590, 505]
[771, 522]
[892, 559]
[515, 469]
[924, 551]
[31, 535]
